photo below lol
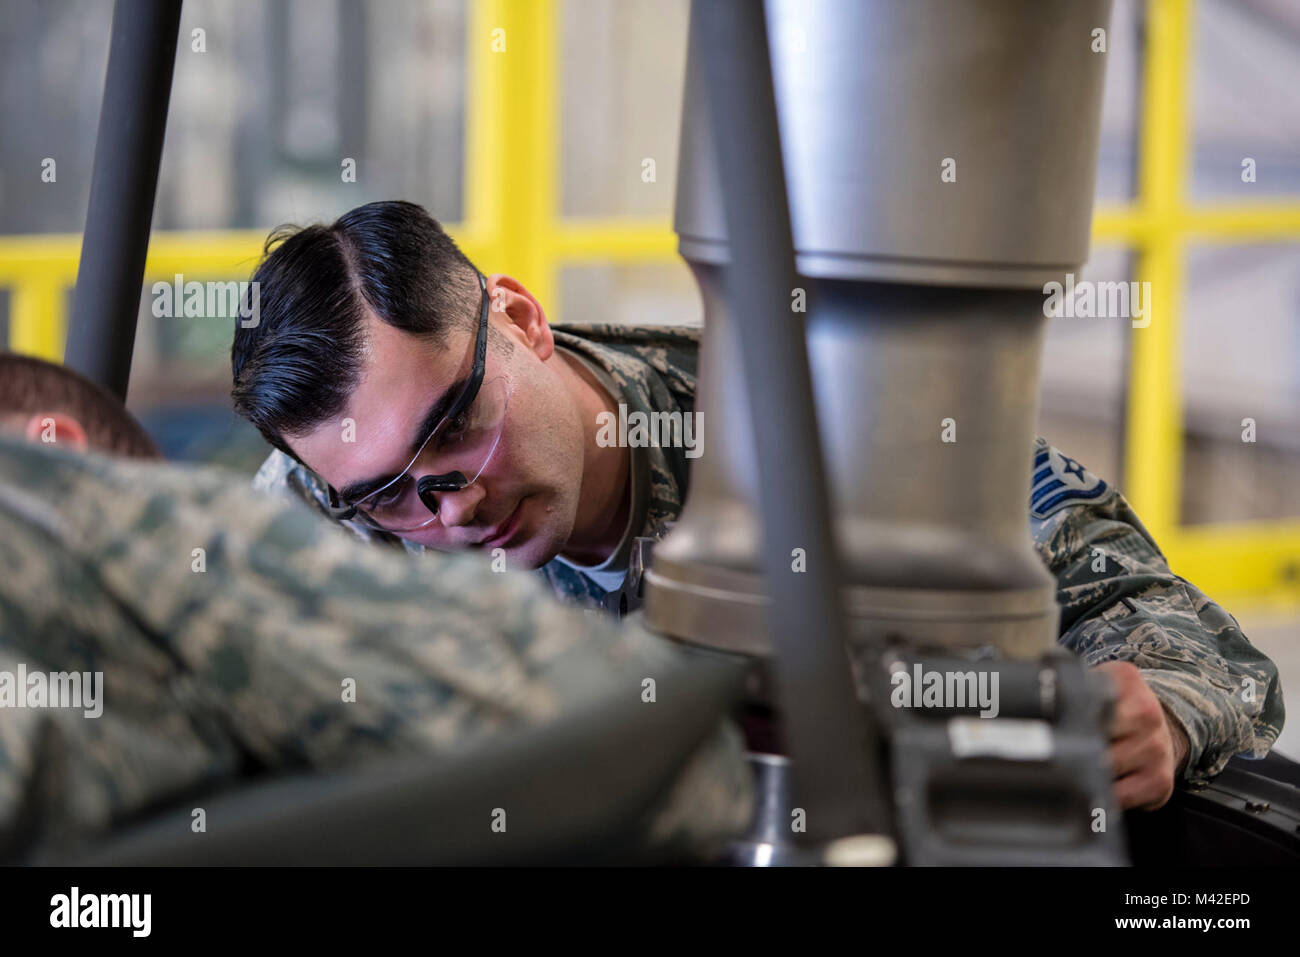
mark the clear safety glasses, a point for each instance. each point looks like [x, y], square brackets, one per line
[453, 456]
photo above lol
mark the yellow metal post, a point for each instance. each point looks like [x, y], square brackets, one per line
[1153, 450]
[37, 318]
[487, 118]
[514, 131]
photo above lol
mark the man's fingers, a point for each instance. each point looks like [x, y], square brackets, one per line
[1137, 713]
[1136, 751]
[1137, 709]
[1142, 749]
[1143, 790]
[1130, 717]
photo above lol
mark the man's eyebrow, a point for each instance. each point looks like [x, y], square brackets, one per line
[356, 491]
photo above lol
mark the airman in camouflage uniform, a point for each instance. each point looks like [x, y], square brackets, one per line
[226, 625]
[1119, 599]
[1121, 602]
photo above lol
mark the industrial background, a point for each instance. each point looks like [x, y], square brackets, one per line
[536, 158]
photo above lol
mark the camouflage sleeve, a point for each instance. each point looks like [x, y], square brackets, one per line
[1120, 601]
[238, 634]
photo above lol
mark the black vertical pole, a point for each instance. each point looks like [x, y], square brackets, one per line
[128, 151]
[835, 771]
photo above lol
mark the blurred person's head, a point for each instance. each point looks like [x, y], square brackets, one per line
[52, 405]
[366, 328]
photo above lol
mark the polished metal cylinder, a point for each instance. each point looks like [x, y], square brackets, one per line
[924, 140]
[924, 313]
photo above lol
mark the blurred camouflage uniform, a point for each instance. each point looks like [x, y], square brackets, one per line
[654, 369]
[1119, 599]
[238, 668]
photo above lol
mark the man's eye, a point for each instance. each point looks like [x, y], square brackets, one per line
[388, 495]
[456, 427]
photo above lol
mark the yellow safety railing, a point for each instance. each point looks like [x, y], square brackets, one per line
[513, 224]
[1230, 561]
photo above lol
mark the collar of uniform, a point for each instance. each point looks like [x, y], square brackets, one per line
[633, 376]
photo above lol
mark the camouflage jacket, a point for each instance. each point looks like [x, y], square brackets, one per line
[227, 629]
[1119, 599]
[653, 366]
[1121, 602]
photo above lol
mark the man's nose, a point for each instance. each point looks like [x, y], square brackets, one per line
[459, 508]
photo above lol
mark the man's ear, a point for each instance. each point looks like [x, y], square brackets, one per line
[56, 428]
[527, 318]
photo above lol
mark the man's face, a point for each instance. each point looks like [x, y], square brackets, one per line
[526, 499]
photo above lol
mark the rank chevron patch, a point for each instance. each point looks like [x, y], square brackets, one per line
[1060, 481]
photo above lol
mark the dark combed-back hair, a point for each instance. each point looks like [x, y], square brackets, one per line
[296, 367]
[29, 386]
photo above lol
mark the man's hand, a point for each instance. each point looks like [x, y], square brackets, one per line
[1147, 746]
